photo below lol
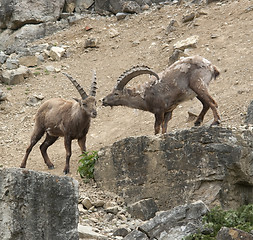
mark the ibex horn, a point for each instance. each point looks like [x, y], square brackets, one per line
[78, 87]
[132, 73]
[93, 87]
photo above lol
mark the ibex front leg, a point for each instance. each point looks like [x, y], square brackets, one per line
[159, 119]
[167, 117]
[67, 143]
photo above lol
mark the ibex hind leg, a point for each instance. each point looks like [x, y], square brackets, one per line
[205, 108]
[208, 102]
[49, 140]
[36, 136]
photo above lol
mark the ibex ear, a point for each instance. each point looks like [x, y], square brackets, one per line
[78, 100]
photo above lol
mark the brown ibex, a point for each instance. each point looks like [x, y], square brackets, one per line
[185, 79]
[70, 119]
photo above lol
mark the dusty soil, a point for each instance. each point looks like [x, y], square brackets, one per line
[225, 38]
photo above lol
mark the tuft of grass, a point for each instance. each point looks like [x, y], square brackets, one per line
[86, 164]
[36, 73]
[242, 219]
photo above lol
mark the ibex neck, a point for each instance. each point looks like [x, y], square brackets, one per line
[136, 102]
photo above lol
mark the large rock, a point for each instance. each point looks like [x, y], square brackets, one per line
[175, 224]
[213, 164]
[37, 205]
[16, 13]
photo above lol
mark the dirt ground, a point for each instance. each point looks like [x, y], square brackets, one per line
[225, 38]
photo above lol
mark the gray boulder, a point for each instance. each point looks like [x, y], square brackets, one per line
[36, 205]
[212, 164]
[15, 76]
[174, 224]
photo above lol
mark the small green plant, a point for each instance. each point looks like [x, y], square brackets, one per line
[46, 72]
[242, 219]
[9, 88]
[86, 164]
[36, 73]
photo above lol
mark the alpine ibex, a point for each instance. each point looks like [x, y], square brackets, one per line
[63, 118]
[185, 79]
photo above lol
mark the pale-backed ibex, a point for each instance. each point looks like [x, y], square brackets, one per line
[185, 79]
[70, 119]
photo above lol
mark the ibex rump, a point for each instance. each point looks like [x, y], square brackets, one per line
[63, 118]
[185, 79]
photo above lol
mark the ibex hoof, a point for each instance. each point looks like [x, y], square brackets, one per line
[51, 167]
[66, 171]
[197, 124]
[215, 123]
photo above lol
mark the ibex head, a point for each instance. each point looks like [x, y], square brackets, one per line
[120, 94]
[87, 102]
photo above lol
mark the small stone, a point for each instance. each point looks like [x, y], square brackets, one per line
[91, 43]
[113, 210]
[113, 33]
[190, 42]
[188, 17]
[87, 232]
[87, 203]
[99, 203]
[34, 100]
[3, 57]
[2, 96]
[121, 16]
[143, 209]
[28, 61]
[12, 63]
[50, 68]
[122, 232]
[56, 53]
[131, 7]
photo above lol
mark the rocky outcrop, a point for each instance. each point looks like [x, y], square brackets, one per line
[211, 164]
[15, 14]
[37, 205]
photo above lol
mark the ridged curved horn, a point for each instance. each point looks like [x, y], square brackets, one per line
[78, 87]
[93, 87]
[132, 73]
